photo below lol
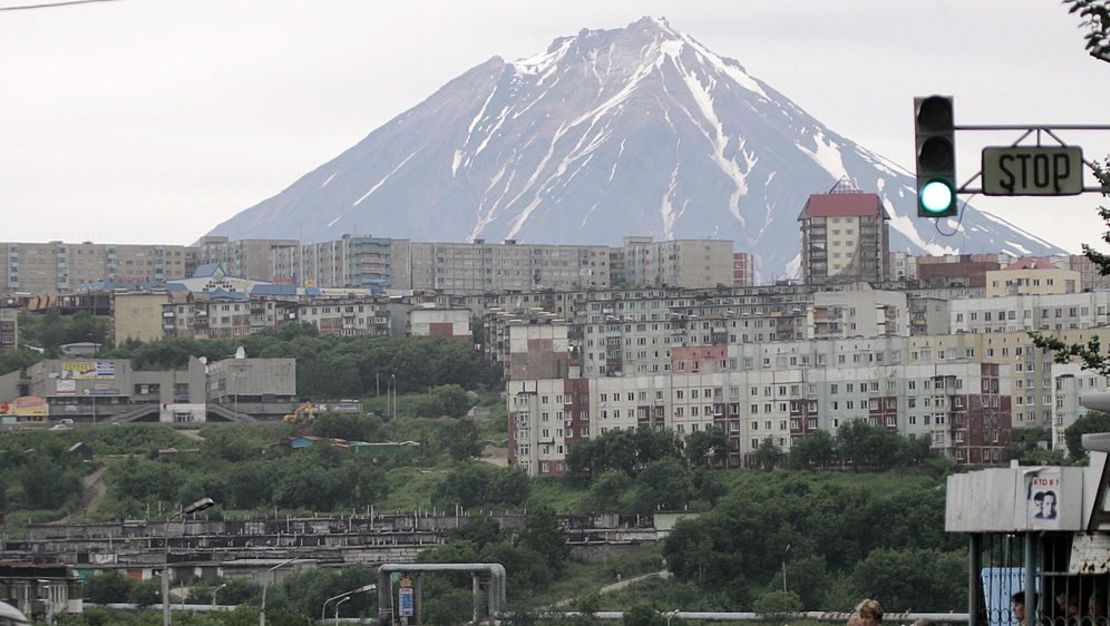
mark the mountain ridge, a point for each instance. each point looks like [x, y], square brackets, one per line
[635, 131]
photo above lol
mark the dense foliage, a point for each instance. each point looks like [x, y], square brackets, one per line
[838, 540]
[331, 367]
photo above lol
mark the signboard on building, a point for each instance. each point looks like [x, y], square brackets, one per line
[65, 387]
[32, 407]
[405, 600]
[1042, 498]
[89, 370]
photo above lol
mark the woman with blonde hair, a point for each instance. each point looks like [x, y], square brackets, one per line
[869, 613]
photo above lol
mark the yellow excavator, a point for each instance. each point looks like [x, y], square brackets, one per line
[302, 416]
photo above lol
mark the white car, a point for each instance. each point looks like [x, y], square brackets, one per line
[61, 427]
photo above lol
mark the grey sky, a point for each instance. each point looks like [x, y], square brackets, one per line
[153, 120]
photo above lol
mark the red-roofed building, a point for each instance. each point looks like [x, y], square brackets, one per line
[1033, 276]
[845, 236]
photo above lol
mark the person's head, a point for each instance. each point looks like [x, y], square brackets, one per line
[1038, 502]
[1018, 602]
[871, 611]
[1049, 506]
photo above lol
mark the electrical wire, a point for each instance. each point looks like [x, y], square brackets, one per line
[959, 220]
[51, 5]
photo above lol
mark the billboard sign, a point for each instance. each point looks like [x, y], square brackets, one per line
[89, 370]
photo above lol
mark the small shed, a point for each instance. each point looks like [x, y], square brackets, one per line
[81, 450]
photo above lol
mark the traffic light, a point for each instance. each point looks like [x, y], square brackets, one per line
[934, 127]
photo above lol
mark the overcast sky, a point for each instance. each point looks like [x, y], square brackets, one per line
[153, 120]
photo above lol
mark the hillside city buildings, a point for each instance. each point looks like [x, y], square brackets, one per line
[664, 334]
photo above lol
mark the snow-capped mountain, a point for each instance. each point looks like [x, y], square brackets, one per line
[634, 131]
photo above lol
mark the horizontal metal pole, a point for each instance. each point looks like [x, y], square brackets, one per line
[820, 616]
[1031, 126]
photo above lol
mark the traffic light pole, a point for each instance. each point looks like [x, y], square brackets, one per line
[1048, 129]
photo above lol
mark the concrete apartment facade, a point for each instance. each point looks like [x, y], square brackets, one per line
[249, 258]
[690, 263]
[1032, 276]
[784, 391]
[9, 328]
[58, 267]
[845, 238]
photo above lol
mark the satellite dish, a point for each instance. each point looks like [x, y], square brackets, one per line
[240, 353]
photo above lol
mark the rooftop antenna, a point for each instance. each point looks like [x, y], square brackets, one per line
[845, 185]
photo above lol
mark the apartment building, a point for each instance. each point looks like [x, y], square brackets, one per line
[253, 259]
[845, 237]
[1071, 381]
[356, 261]
[1042, 312]
[964, 270]
[58, 267]
[448, 323]
[743, 269]
[1032, 275]
[9, 328]
[781, 390]
[901, 266]
[482, 267]
[690, 263]
[1090, 275]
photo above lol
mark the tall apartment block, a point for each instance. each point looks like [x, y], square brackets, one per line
[9, 328]
[57, 267]
[689, 263]
[246, 258]
[743, 269]
[359, 261]
[483, 267]
[845, 237]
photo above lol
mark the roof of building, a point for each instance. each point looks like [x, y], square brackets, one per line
[1030, 263]
[274, 290]
[208, 269]
[843, 205]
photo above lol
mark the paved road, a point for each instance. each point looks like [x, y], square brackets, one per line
[617, 586]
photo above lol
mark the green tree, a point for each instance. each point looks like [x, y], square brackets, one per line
[664, 485]
[914, 578]
[543, 534]
[815, 450]
[107, 587]
[642, 615]
[768, 454]
[45, 485]
[775, 602]
[1092, 422]
[706, 447]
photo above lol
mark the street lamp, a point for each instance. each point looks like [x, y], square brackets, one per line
[266, 585]
[324, 607]
[195, 507]
[214, 592]
[784, 553]
[337, 608]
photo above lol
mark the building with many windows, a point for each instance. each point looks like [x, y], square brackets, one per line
[845, 237]
[58, 267]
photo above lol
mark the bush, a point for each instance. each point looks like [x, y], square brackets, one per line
[107, 587]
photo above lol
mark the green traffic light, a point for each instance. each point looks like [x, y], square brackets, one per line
[937, 196]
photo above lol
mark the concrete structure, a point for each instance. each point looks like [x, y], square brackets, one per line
[964, 270]
[901, 266]
[1090, 275]
[859, 312]
[743, 269]
[1032, 276]
[250, 258]
[100, 390]
[1070, 382]
[689, 263]
[845, 237]
[58, 267]
[40, 590]
[138, 316]
[453, 324]
[359, 261]
[482, 267]
[935, 387]
[9, 328]
[1072, 311]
